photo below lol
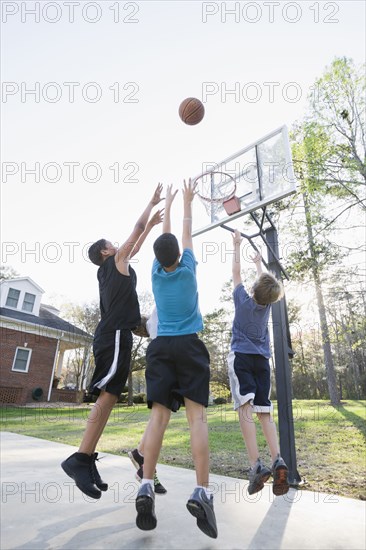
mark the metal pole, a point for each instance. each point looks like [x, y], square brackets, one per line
[283, 373]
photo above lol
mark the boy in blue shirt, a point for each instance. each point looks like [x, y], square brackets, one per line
[178, 367]
[249, 370]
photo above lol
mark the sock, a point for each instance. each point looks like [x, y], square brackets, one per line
[140, 453]
[206, 489]
[144, 481]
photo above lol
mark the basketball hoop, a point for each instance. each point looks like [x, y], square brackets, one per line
[216, 189]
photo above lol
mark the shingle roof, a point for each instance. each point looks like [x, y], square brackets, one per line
[45, 318]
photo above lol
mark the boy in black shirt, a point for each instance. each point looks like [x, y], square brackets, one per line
[112, 344]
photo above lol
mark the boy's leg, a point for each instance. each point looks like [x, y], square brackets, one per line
[279, 467]
[258, 473]
[270, 433]
[96, 422]
[200, 503]
[153, 438]
[137, 458]
[81, 466]
[248, 430]
[196, 416]
[145, 500]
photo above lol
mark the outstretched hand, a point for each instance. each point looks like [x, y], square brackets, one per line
[156, 218]
[256, 258]
[170, 195]
[189, 190]
[157, 195]
[237, 238]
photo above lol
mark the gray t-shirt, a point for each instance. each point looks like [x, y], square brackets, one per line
[250, 326]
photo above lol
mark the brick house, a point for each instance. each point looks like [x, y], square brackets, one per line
[34, 340]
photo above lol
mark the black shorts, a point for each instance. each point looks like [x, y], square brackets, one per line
[177, 367]
[250, 380]
[112, 354]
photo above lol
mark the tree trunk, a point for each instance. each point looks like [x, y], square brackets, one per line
[327, 352]
[130, 389]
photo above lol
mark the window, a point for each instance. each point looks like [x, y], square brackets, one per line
[28, 302]
[21, 359]
[13, 297]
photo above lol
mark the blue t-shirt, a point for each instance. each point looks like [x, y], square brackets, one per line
[250, 326]
[176, 297]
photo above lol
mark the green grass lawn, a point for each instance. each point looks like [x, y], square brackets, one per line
[330, 442]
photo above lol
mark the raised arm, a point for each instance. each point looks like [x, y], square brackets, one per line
[168, 203]
[124, 252]
[154, 220]
[188, 196]
[257, 260]
[236, 268]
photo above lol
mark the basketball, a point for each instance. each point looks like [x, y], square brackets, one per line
[191, 111]
[141, 329]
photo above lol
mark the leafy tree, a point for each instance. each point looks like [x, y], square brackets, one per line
[7, 272]
[217, 336]
[329, 156]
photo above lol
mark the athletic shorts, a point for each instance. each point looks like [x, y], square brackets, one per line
[112, 354]
[250, 380]
[177, 367]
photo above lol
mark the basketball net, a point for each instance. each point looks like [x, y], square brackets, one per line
[213, 189]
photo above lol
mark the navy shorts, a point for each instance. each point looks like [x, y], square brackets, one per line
[112, 354]
[177, 367]
[250, 380]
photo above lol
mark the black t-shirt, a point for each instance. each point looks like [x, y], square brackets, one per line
[119, 306]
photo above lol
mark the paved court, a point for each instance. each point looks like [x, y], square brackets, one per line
[42, 509]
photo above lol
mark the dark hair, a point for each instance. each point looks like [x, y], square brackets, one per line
[166, 249]
[94, 251]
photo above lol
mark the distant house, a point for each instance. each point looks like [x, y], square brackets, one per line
[33, 342]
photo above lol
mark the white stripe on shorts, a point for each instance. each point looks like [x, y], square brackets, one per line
[113, 368]
[234, 384]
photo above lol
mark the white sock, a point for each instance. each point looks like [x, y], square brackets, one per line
[140, 453]
[206, 489]
[151, 481]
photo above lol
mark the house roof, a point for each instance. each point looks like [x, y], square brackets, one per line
[45, 318]
[6, 281]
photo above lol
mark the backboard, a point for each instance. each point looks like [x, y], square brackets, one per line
[263, 173]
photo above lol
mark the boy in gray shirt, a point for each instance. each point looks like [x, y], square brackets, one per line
[249, 370]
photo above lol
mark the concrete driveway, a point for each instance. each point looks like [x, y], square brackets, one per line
[42, 509]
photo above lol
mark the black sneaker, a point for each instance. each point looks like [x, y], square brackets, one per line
[258, 475]
[138, 461]
[280, 477]
[201, 507]
[145, 507]
[102, 485]
[80, 467]
[158, 487]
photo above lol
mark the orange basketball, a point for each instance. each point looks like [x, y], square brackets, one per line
[191, 111]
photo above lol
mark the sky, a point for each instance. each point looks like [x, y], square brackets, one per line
[90, 125]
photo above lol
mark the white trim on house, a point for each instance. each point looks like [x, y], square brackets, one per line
[42, 330]
[28, 360]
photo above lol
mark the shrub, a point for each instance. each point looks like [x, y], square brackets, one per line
[220, 401]
[139, 398]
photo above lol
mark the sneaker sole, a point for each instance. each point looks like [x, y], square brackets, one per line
[146, 519]
[280, 482]
[134, 462]
[197, 510]
[258, 484]
[69, 472]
